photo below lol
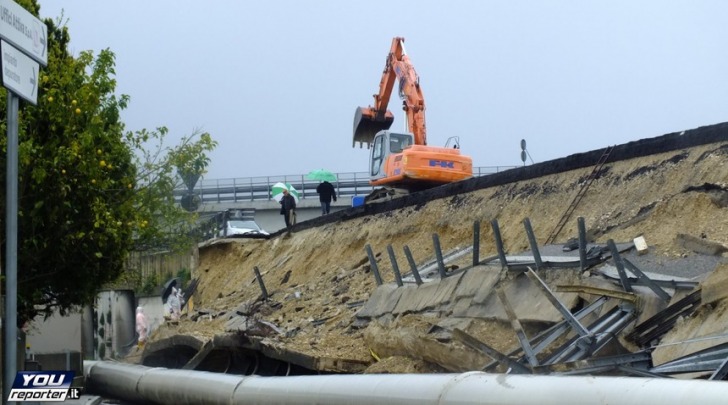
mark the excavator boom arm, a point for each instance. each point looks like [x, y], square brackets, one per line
[370, 120]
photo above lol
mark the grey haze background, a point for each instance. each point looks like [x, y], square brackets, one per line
[276, 83]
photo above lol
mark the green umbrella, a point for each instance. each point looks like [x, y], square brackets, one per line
[321, 175]
[277, 191]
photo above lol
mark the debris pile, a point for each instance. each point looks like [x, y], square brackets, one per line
[602, 306]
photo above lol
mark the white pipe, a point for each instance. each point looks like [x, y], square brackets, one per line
[163, 386]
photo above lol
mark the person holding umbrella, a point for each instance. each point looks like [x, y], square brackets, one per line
[175, 304]
[326, 192]
[288, 209]
[325, 189]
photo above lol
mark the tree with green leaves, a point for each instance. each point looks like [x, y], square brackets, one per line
[89, 190]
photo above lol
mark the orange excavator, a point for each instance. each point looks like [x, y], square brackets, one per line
[402, 162]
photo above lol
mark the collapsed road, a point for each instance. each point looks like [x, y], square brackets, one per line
[492, 294]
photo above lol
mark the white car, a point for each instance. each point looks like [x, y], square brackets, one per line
[237, 228]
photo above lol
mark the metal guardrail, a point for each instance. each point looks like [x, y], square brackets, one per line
[259, 188]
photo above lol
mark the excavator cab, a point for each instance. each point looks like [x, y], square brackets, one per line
[386, 143]
[367, 123]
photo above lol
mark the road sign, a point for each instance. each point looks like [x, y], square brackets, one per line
[20, 73]
[24, 31]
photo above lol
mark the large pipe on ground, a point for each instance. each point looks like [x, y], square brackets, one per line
[165, 386]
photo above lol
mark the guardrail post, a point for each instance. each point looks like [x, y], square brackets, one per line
[476, 243]
[532, 242]
[438, 254]
[626, 284]
[582, 242]
[499, 243]
[395, 267]
[413, 265]
[373, 264]
[260, 282]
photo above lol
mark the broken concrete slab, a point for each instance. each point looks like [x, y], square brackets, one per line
[412, 340]
[172, 352]
[473, 280]
[493, 275]
[383, 300]
[460, 307]
[411, 295]
[529, 303]
[442, 295]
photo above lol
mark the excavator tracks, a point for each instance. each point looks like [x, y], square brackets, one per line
[383, 194]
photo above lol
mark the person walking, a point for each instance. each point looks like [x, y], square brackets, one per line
[288, 209]
[175, 305]
[326, 193]
[142, 327]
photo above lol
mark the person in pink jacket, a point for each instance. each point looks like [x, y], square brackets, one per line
[142, 327]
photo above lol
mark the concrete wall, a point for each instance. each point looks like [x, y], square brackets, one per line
[75, 332]
[55, 334]
[117, 332]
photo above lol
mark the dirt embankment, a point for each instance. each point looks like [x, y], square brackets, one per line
[316, 274]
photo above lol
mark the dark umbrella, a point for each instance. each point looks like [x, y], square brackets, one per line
[167, 289]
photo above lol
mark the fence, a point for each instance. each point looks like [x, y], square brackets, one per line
[158, 266]
[259, 188]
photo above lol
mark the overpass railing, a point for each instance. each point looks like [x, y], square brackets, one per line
[349, 184]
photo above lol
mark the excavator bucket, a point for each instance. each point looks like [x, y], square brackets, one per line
[367, 124]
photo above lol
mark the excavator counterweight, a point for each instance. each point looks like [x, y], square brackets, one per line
[367, 124]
